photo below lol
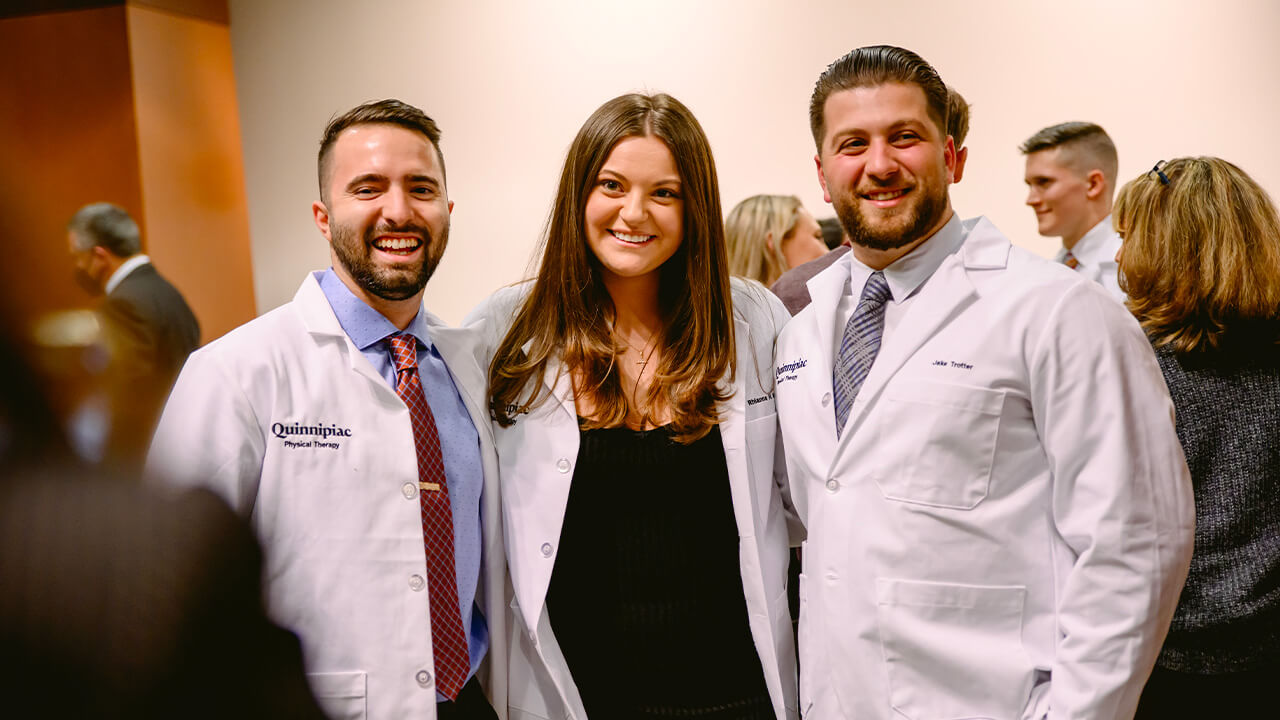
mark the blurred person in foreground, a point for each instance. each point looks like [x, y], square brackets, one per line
[792, 287]
[770, 234]
[147, 327]
[1201, 265]
[123, 601]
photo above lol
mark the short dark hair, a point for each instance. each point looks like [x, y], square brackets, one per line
[957, 117]
[872, 66]
[388, 112]
[1087, 144]
[107, 226]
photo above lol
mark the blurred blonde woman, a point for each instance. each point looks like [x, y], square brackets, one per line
[770, 234]
[1200, 263]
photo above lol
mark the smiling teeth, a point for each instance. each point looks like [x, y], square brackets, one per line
[396, 243]
[626, 237]
[886, 195]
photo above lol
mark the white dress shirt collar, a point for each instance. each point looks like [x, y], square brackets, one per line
[123, 271]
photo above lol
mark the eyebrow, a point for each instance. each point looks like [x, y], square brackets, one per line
[379, 178]
[673, 180]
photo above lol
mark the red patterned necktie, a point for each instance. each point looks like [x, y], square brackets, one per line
[448, 638]
[1070, 260]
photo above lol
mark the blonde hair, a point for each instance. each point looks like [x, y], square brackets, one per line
[751, 225]
[1201, 256]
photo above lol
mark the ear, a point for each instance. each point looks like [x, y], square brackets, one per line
[962, 155]
[321, 214]
[450, 207]
[768, 240]
[100, 253]
[949, 156]
[1097, 184]
[822, 179]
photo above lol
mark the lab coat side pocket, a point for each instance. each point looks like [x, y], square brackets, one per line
[342, 695]
[948, 459]
[954, 651]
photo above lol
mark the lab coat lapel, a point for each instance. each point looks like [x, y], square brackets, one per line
[544, 498]
[457, 348]
[825, 289]
[319, 320]
[944, 296]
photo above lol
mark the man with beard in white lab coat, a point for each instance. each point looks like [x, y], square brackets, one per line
[350, 427]
[979, 441]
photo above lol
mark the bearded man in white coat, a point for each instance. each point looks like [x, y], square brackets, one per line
[350, 427]
[979, 441]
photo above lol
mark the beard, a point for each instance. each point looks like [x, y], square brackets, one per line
[356, 253]
[88, 283]
[927, 202]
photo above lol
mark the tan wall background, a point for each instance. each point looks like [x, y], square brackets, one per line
[191, 163]
[510, 83]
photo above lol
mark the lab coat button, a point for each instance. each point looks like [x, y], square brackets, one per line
[410, 490]
[833, 485]
[826, 399]
[424, 678]
[546, 550]
[416, 583]
[563, 465]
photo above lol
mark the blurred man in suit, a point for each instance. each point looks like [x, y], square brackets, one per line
[147, 327]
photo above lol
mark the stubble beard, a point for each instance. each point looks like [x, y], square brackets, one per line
[928, 207]
[356, 256]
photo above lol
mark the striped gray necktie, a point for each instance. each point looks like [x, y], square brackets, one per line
[859, 346]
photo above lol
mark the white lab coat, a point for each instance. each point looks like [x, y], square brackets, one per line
[341, 527]
[537, 455]
[1004, 526]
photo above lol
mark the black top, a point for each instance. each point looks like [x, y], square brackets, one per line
[1228, 418]
[646, 596]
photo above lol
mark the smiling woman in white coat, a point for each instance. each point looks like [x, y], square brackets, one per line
[631, 387]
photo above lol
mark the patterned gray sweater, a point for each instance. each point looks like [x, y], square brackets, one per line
[1228, 420]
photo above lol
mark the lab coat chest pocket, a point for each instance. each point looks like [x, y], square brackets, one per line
[936, 442]
[954, 651]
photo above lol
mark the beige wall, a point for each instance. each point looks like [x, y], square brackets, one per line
[510, 83]
[191, 165]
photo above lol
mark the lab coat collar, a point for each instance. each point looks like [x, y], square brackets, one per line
[364, 325]
[557, 381]
[940, 299]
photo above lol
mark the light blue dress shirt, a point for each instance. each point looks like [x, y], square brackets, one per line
[459, 442]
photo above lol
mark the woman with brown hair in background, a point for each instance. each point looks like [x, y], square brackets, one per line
[1201, 266]
[631, 387]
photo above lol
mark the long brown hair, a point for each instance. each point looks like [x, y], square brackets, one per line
[568, 313]
[1201, 256]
